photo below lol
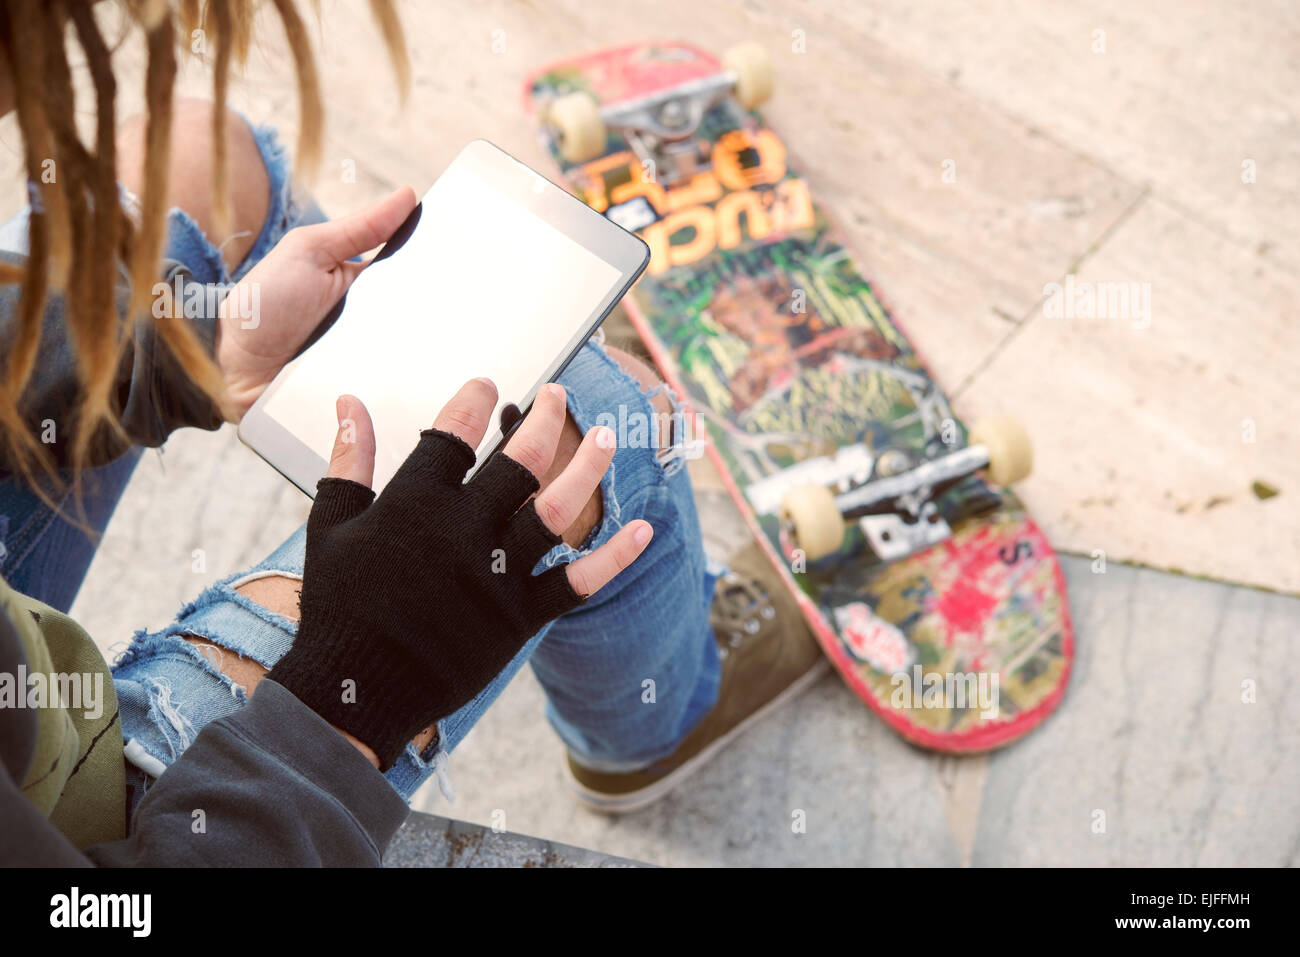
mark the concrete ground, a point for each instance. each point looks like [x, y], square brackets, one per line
[1158, 756]
[1151, 143]
[429, 841]
[1177, 743]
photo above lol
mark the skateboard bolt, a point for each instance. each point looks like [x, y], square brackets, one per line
[672, 113]
[893, 462]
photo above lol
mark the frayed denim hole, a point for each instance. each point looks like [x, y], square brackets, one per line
[224, 591]
[281, 204]
[144, 644]
[672, 454]
[177, 731]
[186, 240]
[434, 758]
[164, 710]
[172, 643]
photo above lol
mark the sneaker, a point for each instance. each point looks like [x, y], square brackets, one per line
[768, 656]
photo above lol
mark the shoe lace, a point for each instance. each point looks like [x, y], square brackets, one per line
[741, 609]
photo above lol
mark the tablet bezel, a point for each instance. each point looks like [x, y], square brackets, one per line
[527, 188]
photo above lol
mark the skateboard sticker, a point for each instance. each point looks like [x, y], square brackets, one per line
[872, 639]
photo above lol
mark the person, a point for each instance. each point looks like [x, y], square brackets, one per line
[289, 713]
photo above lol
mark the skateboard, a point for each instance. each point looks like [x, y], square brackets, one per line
[929, 587]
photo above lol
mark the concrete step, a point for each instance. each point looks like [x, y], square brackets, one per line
[427, 840]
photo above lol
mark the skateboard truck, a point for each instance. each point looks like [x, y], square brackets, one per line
[898, 513]
[661, 126]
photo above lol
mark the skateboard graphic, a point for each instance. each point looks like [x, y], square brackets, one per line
[927, 584]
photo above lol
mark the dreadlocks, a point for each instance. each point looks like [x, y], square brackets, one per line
[79, 233]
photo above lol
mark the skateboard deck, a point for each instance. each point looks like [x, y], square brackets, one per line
[761, 322]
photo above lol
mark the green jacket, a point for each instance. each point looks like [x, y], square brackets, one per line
[76, 773]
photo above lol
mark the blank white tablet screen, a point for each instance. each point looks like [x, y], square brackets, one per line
[483, 287]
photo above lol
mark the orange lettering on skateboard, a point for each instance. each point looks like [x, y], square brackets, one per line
[748, 182]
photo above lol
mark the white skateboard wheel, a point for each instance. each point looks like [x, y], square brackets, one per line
[576, 119]
[1011, 456]
[816, 520]
[753, 69]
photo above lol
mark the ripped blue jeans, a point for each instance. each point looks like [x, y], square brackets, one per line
[651, 624]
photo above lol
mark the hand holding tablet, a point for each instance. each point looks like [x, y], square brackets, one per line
[498, 273]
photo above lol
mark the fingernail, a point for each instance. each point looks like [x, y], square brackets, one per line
[555, 389]
[486, 381]
[604, 437]
[643, 533]
[340, 408]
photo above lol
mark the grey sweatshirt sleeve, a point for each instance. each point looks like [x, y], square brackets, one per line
[153, 396]
[276, 784]
[277, 787]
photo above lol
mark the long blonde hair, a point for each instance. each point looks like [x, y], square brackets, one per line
[79, 233]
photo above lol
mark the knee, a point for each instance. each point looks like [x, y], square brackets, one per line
[649, 381]
[645, 376]
[191, 170]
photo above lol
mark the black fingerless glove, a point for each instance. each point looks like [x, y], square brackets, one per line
[422, 598]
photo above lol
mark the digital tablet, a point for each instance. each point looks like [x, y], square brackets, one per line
[498, 272]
